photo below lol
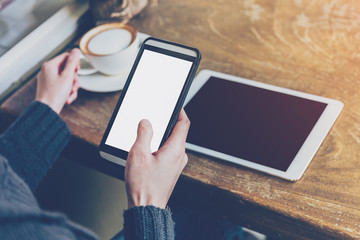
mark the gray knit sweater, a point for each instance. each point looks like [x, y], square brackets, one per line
[28, 149]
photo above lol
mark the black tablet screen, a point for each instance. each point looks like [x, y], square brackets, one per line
[251, 123]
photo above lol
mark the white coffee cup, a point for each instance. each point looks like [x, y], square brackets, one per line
[111, 48]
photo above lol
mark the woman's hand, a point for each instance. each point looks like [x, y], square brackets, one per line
[57, 82]
[151, 177]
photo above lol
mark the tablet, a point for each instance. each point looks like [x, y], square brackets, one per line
[264, 127]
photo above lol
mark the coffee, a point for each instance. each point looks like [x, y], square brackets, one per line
[109, 41]
[111, 48]
[108, 38]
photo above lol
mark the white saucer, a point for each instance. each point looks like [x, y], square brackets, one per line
[99, 82]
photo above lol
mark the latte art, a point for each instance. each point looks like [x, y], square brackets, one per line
[111, 48]
[109, 41]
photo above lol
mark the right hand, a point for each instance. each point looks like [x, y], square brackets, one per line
[151, 177]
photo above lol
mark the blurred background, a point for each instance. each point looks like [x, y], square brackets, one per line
[20, 17]
[86, 196]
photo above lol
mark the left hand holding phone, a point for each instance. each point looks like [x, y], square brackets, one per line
[57, 81]
[151, 177]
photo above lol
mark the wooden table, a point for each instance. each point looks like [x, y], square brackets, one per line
[310, 46]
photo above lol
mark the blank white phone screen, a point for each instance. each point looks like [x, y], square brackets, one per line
[152, 94]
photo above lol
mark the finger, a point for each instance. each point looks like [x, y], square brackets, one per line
[54, 65]
[59, 59]
[74, 91]
[71, 63]
[77, 67]
[72, 97]
[76, 84]
[181, 129]
[175, 144]
[144, 135]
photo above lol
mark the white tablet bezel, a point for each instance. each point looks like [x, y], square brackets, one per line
[307, 150]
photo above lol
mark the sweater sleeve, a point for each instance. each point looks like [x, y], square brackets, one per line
[34, 142]
[148, 222]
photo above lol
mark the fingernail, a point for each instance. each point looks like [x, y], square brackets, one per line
[75, 51]
[145, 122]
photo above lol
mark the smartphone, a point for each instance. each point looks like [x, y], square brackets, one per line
[155, 90]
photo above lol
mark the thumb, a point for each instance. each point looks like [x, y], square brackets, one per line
[71, 63]
[144, 135]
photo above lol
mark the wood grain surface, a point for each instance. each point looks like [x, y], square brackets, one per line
[306, 45]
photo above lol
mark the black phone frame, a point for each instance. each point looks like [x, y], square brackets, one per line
[174, 117]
